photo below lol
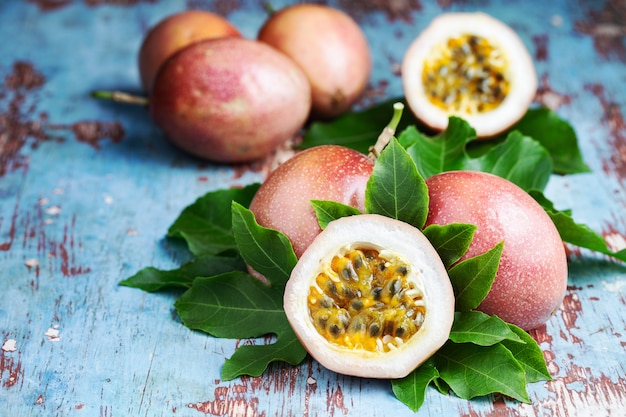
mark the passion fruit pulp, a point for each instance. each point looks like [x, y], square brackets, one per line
[469, 65]
[370, 297]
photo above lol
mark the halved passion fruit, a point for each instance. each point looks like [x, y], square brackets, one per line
[469, 65]
[370, 297]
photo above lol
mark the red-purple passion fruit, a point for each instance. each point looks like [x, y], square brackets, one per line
[230, 100]
[175, 32]
[370, 297]
[326, 172]
[469, 65]
[331, 49]
[532, 276]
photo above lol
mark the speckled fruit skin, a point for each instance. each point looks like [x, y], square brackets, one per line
[331, 49]
[175, 32]
[230, 100]
[532, 276]
[326, 172]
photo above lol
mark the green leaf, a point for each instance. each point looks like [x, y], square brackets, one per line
[481, 329]
[327, 211]
[232, 305]
[411, 390]
[357, 130]
[253, 360]
[472, 371]
[443, 152]
[396, 189]
[557, 136]
[473, 277]
[267, 251]
[205, 224]
[517, 158]
[529, 355]
[574, 233]
[520, 159]
[451, 241]
[237, 305]
[153, 279]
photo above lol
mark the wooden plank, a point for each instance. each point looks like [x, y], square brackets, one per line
[88, 189]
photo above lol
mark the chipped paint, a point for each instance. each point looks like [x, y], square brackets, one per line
[394, 9]
[549, 98]
[9, 345]
[614, 120]
[18, 127]
[607, 27]
[11, 372]
[541, 47]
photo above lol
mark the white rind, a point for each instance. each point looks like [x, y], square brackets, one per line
[414, 247]
[523, 75]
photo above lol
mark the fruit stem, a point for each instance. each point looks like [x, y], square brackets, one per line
[269, 8]
[120, 96]
[388, 132]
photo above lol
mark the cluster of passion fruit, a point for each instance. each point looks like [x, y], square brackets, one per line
[229, 99]
[369, 295]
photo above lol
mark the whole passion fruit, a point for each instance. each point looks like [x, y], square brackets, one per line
[370, 297]
[331, 49]
[326, 172]
[532, 276]
[230, 99]
[175, 32]
[470, 65]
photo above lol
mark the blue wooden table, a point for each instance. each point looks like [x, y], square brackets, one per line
[88, 190]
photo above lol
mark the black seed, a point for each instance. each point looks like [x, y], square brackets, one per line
[357, 304]
[348, 292]
[326, 302]
[376, 293]
[402, 270]
[357, 325]
[322, 321]
[374, 330]
[394, 286]
[400, 331]
[335, 330]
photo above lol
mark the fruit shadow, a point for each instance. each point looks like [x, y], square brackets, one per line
[588, 271]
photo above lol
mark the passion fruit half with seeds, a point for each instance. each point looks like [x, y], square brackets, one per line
[469, 65]
[370, 297]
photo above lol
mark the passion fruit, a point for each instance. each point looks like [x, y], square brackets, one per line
[532, 275]
[469, 65]
[174, 33]
[326, 172]
[230, 99]
[370, 297]
[331, 49]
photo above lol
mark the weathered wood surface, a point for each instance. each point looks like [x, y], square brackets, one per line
[88, 189]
